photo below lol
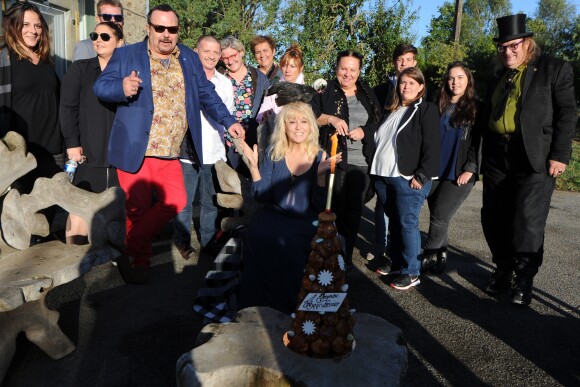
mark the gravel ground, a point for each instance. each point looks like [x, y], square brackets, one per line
[457, 335]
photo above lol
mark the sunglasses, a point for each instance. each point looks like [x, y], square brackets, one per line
[104, 36]
[512, 47]
[160, 29]
[109, 17]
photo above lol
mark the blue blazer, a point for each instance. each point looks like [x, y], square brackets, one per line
[130, 132]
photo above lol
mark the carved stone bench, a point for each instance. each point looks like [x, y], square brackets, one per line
[26, 276]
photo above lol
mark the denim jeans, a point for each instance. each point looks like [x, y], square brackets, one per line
[402, 205]
[195, 175]
[381, 229]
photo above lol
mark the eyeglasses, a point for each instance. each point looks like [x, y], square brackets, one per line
[512, 47]
[104, 36]
[109, 17]
[160, 29]
[228, 58]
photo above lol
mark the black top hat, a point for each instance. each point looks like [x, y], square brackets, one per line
[512, 27]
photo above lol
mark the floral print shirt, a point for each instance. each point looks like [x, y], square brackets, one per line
[169, 117]
[243, 99]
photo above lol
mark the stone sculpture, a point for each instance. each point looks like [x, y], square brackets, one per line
[27, 274]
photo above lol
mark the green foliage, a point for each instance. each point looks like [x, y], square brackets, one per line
[324, 28]
[570, 179]
[556, 27]
[241, 18]
[321, 27]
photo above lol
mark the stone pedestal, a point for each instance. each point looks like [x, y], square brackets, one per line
[250, 352]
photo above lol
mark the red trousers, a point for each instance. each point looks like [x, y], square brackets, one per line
[146, 216]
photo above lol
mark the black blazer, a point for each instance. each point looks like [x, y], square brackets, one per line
[84, 119]
[418, 141]
[548, 112]
[333, 101]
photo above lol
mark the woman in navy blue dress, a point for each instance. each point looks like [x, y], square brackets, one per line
[291, 183]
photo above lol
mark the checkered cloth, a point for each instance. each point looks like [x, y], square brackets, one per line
[217, 300]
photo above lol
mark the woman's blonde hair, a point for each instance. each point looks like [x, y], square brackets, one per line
[279, 140]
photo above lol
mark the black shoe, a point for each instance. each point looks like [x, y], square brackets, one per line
[428, 260]
[500, 281]
[441, 263]
[522, 290]
[385, 269]
[404, 282]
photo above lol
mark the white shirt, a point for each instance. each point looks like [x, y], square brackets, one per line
[385, 158]
[212, 133]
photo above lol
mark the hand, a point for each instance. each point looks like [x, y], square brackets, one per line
[325, 162]
[414, 184]
[339, 124]
[131, 84]
[556, 168]
[237, 131]
[356, 134]
[75, 154]
[464, 178]
[250, 154]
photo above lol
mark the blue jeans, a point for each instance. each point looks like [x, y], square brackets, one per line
[381, 229]
[195, 175]
[402, 205]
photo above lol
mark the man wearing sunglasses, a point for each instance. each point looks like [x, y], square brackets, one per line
[160, 87]
[107, 10]
[527, 126]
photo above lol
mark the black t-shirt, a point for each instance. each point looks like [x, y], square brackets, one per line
[35, 93]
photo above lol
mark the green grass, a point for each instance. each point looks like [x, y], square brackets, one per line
[570, 180]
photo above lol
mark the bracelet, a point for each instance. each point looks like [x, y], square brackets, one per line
[328, 121]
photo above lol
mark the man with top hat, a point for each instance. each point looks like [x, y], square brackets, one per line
[527, 128]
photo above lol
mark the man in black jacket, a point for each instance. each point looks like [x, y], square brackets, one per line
[527, 128]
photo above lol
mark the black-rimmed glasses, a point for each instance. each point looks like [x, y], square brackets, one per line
[104, 36]
[159, 29]
[511, 47]
[110, 16]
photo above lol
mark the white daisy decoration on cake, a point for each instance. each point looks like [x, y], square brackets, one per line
[308, 327]
[325, 278]
[341, 263]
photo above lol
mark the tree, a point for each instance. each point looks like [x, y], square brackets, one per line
[438, 49]
[476, 46]
[323, 28]
[556, 28]
[241, 18]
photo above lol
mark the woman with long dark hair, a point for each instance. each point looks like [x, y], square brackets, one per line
[459, 161]
[29, 90]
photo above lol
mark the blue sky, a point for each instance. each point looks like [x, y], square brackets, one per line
[429, 9]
